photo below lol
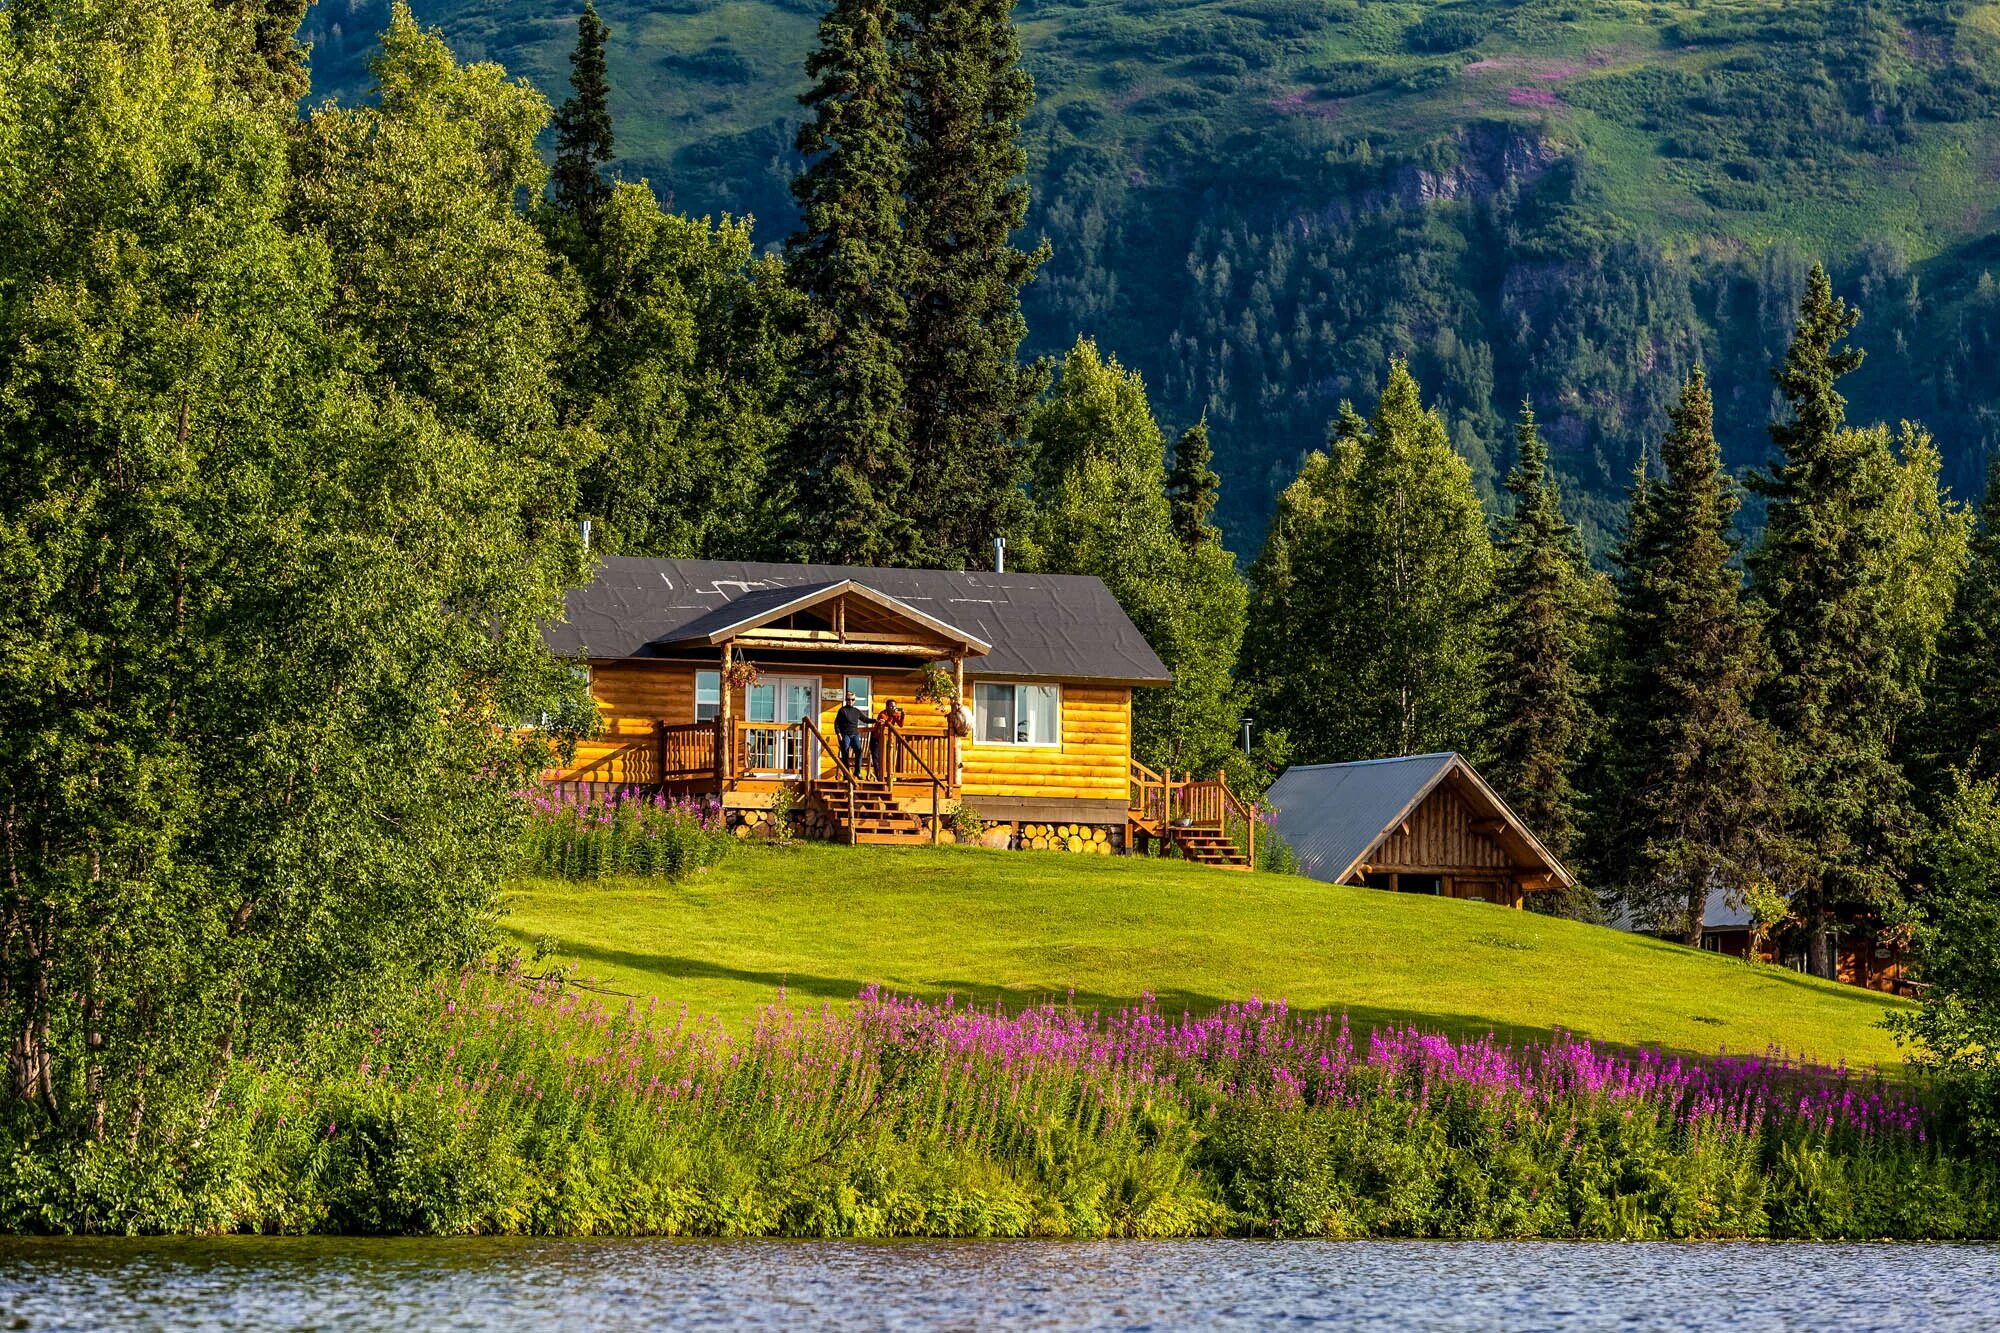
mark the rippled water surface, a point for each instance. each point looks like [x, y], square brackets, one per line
[405, 1285]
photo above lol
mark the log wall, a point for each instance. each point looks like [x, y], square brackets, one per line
[1091, 763]
[1441, 838]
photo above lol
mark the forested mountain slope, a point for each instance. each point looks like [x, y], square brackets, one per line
[1256, 202]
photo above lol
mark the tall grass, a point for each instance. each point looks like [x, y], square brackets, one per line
[515, 1104]
[623, 833]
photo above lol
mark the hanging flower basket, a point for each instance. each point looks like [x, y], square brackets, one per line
[742, 674]
[937, 686]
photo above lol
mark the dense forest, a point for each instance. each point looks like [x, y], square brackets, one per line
[1255, 203]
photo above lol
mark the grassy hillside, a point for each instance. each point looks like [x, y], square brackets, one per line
[1257, 202]
[822, 922]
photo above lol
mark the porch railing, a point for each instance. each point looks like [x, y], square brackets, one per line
[689, 751]
[770, 748]
[909, 757]
[1162, 799]
[912, 756]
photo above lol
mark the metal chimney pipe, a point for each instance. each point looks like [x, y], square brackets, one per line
[586, 534]
[999, 555]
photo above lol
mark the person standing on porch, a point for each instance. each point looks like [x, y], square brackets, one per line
[890, 717]
[847, 729]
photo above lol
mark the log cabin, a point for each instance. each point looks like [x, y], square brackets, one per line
[1417, 824]
[1864, 954]
[720, 680]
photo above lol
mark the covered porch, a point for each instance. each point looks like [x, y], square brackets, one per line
[763, 677]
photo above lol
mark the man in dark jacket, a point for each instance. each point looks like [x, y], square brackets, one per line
[847, 727]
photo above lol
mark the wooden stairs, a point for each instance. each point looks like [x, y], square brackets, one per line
[1209, 847]
[867, 814]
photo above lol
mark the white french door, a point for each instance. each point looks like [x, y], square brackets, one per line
[774, 708]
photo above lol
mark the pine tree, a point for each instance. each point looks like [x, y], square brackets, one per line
[1427, 565]
[1101, 508]
[1688, 776]
[1962, 723]
[1293, 642]
[1373, 592]
[1839, 692]
[583, 128]
[1192, 487]
[850, 451]
[1539, 717]
[966, 194]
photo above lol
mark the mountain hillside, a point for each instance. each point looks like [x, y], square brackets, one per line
[1257, 202]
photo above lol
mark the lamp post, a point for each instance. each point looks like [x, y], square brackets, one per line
[1246, 735]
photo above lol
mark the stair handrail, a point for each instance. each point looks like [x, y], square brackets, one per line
[811, 774]
[896, 738]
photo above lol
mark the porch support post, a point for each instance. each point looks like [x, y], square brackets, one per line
[725, 759]
[957, 746]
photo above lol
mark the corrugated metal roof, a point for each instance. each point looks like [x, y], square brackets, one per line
[1065, 626]
[1718, 913]
[1332, 814]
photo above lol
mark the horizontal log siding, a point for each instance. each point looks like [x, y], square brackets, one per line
[631, 697]
[1091, 763]
[1093, 760]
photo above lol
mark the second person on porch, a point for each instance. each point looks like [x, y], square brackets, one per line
[890, 717]
[847, 729]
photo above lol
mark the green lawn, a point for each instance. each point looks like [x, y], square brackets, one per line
[822, 922]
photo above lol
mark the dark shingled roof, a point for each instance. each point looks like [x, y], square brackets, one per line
[1332, 815]
[1065, 626]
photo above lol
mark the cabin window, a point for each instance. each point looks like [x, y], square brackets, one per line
[862, 692]
[707, 695]
[1016, 714]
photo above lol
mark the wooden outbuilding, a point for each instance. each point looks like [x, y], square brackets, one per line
[1417, 824]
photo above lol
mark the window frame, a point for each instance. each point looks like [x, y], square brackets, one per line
[867, 692]
[714, 677]
[979, 731]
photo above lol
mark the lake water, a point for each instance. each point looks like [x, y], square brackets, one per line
[411, 1286]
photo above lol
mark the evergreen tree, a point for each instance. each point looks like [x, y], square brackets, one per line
[1293, 643]
[583, 129]
[1373, 593]
[1680, 810]
[684, 375]
[1839, 691]
[1962, 720]
[1426, 561]
[1101, 508]
[1539, 718]
[965, 194]
[1192, 487]
[850, 448]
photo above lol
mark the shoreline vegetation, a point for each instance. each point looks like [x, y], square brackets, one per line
[505, 1102]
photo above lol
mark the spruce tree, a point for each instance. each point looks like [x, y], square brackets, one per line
[849, 451]
[1101, 508]
[1962, 720]
[1681, 804]
[1539, 716]
[1426, 562]
[583, 128]
[1373, 592]
[1192, 487]
[1839, 692]
[966, 194]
